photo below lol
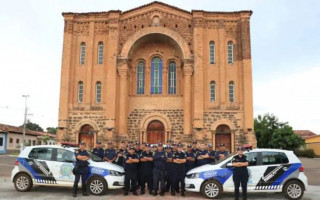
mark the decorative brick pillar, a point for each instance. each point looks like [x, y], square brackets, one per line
[123, 97]
[187, 72]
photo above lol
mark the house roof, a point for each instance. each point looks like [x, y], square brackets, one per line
[154, 3]
[19, 130]
[304, 134]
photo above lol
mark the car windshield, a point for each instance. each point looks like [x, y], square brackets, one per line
[219, 161]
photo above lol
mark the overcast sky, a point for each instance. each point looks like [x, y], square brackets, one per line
[285, 55]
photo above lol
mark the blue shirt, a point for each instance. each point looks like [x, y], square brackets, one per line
[202, 161]
[110, 153]
[179, 155]
[147, 165]
[159, 159]
[81, 163]
[98, 152]
[225, 153]
[211, 153]
[130, 166]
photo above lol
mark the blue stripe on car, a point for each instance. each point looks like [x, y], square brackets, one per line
[24, 162]
[291, 169]
[222, 175]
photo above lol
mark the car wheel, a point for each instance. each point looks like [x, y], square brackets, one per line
[293, 190]
[211, 189]
[22, 182]
[97, 186]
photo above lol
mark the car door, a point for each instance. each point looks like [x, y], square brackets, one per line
[39, 164]
[254, 169]
[63, 165]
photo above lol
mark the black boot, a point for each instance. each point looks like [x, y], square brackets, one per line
[135, 193]
[162, 192]
[173, 192]
[183, 193]
[84, 191]
[155, 193]
[142, 192]
[74, 192]
[126, 193]
[150, 192]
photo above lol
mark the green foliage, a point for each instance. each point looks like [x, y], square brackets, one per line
[309, 153]
[271, 133]
[52, 130]
[33, 126]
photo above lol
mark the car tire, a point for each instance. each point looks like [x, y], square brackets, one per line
[293, 190]
[22, 182]
[97, 185]
[211, 189]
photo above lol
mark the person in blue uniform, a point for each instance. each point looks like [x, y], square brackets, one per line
[110, 154]
[169, 143]
[159, 170]
[154, 148]
[195, 148]
[222, 153]
[131, 160]
[138, 151]
[169, 169]
[212, 154]
[120, 153]
[98, 151]
[191, 158]
[202, 155]
[240, 173]
[82, 164]
[146, 166]
[174, 147]
[179, 159]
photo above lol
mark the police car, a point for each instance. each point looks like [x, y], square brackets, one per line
[270, 170]
[51, 165]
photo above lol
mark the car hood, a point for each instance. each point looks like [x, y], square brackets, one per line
[203, 168]
[107, 166]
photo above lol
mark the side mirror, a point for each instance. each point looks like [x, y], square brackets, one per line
[229, 165]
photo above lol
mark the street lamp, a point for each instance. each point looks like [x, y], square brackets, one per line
[25, 120]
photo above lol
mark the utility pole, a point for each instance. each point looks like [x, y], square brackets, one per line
[25, 120]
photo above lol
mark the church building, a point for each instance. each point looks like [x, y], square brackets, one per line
[156, 73]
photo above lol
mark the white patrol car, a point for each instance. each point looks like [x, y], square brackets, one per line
[270, 170]
[51, 165]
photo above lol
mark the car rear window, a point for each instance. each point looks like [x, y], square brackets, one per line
[271, 158]
[41, 153]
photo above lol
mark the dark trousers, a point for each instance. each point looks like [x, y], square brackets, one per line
[237, 179]
[130, 176]
[83, 173]
[146, 177]
[179, 175]
[159, 177]
[170, 177]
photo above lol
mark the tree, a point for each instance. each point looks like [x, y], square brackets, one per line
[33, 126]
[271, 133]
[52, 130]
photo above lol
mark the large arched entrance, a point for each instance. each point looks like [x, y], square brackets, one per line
[87, 135]
[223, 135]
[155, 132]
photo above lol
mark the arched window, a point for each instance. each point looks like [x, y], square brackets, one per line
[231, 91]
[211, 52]
[172, 82]
[140, 78]
[80, 91]
[156, 76]
[100, 53]
[212, 91]
[230, 52]
[98, 92]
[82, 53]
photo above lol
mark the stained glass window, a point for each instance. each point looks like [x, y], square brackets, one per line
[172, 78]
[156, 76]
[140, 78]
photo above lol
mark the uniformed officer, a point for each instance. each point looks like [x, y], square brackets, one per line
[191, 158]
[110, 153]
[169, 143]
[82, 164]
[240, 173]
[130, 167]
[174, 147]
[98, 151]
[179, 159]
[202, 155]
[195, 147]
[138, 151]
[159, 163]
[146, 166]
[154, 148]
[222, 153]
[120, 154]
[169, 169]
[212, 154]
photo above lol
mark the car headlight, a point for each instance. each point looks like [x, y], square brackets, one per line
[115, 173]
[193, 176]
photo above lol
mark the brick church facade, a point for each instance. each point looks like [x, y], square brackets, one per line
[154, 73]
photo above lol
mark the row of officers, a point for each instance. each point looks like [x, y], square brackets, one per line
[155, 165]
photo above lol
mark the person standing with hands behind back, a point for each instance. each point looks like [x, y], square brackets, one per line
[82, 164]
[240, 173]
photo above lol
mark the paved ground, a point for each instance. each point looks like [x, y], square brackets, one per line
[7, 190]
